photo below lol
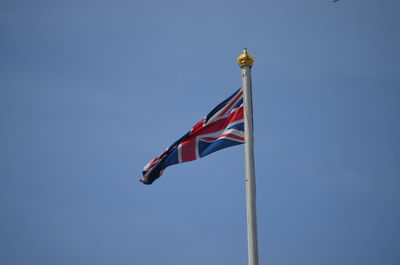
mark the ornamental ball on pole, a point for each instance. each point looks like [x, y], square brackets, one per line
[245, 59]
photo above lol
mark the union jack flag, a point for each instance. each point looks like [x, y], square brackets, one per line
[222, 127]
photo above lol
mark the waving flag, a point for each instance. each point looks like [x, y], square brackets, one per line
[222, 127]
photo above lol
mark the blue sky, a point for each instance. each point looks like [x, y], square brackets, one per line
[90, 91]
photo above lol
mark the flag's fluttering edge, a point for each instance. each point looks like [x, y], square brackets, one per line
[222, 127]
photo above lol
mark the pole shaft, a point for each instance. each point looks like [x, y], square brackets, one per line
[249, 162]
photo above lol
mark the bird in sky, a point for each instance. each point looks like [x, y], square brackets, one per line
[335, 1]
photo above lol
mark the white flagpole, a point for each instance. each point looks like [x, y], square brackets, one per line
[245, 62]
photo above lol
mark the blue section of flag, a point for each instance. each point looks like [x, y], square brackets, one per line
[239, 126]
[208, 148]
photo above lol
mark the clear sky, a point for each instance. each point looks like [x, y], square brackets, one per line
[90, 91]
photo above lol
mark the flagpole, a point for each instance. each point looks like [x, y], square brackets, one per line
[245, 62]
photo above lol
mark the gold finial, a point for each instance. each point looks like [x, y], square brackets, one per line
[245, 59]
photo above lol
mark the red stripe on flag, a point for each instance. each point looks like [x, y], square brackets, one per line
[198, 126]
[188, 149]
[232, 103]
[222, 123]
[153, 162]
[227, 135]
